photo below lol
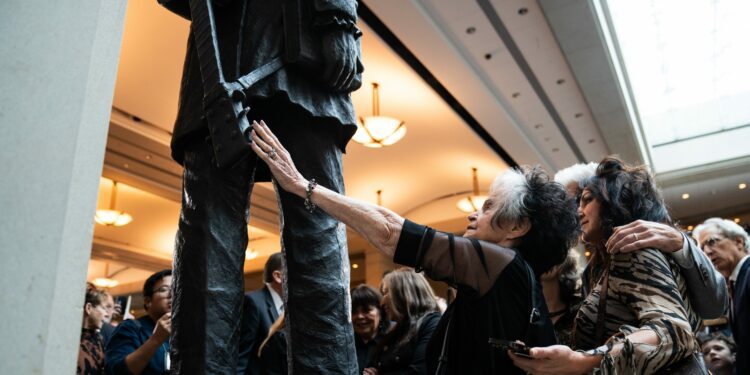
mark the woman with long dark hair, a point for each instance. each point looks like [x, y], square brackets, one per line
[637, 318]
[409, 301]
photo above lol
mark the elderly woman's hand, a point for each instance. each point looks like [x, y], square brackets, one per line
[270, 150]
[555, 360]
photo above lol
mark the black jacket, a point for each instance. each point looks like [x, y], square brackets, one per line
[258, 314]
[408, 358]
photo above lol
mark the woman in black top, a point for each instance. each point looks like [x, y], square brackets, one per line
[369, 322]
[527, 218]
[409, 302]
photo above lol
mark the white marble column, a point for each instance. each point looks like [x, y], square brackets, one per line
[58, 63]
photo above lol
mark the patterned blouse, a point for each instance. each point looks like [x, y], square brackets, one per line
[646, 291]
[91, 353]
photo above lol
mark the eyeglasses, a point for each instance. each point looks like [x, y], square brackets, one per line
[162, 289]
[711, 241]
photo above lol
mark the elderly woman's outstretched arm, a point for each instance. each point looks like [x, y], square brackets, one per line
[378, 225]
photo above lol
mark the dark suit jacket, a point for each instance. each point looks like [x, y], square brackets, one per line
[257, 28]
[741, 319]
[258, 315]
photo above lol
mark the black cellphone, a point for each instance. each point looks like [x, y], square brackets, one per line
[518, 348]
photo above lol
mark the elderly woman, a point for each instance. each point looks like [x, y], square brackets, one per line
[91, 349]
[369, 322]
[527, 218]
[637, 318]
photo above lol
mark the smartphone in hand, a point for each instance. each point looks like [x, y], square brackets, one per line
[518, 348]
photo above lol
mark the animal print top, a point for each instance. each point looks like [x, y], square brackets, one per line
[646, 292]
[91, 353]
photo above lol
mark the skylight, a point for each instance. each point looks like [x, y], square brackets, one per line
[686, 63]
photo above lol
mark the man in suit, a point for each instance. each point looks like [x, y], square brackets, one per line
[727, 245]
[261, 308]
[309, 108]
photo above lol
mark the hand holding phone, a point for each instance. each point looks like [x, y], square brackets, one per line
[517, 347]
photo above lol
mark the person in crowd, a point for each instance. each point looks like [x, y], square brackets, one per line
[272, 351]
[410, 302]
[91, 360]
[141, 346]
[369, 322]
[719, 352]
[108, 328]
[637, 317]
[706, 287]
[561, 288]
[527, 218]
[261, 308]
[727, 245]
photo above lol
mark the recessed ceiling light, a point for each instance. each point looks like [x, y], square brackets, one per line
[742, 185]
[355, 265]
[737, 220]
[587, 254]
[471, 30]
[516, 94]
[690, 227]
[685, 196]
[560, 81]
[523, 11]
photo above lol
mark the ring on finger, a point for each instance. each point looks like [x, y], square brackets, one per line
[636, 236]
[272, 154]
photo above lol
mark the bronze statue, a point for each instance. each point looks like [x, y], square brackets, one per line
[293, 64]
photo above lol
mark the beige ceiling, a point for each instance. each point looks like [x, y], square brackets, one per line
[556, 80]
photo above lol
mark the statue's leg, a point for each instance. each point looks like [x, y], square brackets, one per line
[320, 336]
[208, 264]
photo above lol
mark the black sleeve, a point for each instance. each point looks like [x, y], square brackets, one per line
[446, 257]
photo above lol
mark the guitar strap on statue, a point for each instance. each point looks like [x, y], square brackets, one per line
[224, 103]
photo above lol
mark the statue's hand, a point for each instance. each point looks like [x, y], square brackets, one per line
[339, 59]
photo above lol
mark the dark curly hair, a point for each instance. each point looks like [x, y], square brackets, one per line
[553, 218]
[364, 296]
[626, 193]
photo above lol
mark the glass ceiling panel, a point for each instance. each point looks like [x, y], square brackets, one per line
[687, 65]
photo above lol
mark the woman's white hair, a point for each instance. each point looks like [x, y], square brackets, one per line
[575, 173]
[507, 194]
[727, 227]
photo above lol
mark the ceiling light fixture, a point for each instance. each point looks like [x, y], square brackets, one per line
[737, 220]
[377, 131]
[685, 196]
[742, 186]
[104, 282]
[475, 201]
[112, 217]
[108, 280]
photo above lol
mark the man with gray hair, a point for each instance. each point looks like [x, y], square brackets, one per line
[706, 288]
[727, 245]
